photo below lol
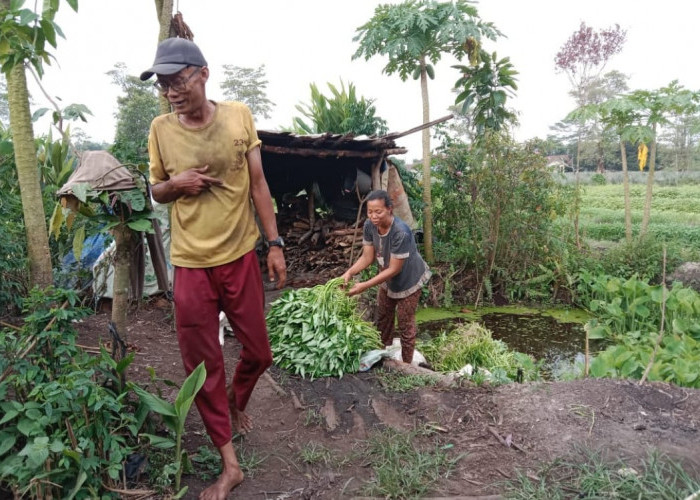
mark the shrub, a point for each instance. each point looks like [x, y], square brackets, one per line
[66, 426]
[496, 210]
[598, 179]
[641, 257]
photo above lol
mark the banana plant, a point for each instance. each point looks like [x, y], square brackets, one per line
[174, 416]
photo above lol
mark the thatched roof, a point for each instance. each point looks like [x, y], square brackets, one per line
[328, 145]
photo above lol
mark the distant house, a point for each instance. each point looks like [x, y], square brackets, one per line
[560, 163]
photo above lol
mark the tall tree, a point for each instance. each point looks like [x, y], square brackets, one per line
[23, 37]
[341, 113]
[247, 85]
[682, 136]
[136, 108]
[657, 107]
[582, 58]
[414, 35]
[621, 115]
[164, 12]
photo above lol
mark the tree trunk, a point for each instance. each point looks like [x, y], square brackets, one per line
[650, 185]
[122, 262]
[626, 188]
[494, 233]
[40, 271]
[164, 11]
[577, 198]
[600, 160]
[427, 197]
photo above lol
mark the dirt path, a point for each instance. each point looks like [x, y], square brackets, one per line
[310, 435]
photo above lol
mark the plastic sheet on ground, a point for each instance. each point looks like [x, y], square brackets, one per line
[370, 358]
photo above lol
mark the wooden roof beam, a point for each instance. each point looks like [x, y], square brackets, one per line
[396, 135]
[329, 153]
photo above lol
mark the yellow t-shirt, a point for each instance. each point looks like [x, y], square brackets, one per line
[217, 226]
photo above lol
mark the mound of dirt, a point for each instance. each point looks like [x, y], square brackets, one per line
[499, 430]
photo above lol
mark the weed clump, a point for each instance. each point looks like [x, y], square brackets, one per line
[473, 344]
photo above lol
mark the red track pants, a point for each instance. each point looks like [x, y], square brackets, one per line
[236, 289]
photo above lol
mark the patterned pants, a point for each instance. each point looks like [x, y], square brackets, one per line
[398, 315]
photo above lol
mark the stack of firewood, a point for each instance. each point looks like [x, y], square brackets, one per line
[324, 248]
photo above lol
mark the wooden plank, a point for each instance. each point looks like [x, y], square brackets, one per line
[396, 135]
[321, 153]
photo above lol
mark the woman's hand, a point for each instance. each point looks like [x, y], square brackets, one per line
[357, 288]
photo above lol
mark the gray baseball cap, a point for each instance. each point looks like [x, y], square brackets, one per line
[173, 55]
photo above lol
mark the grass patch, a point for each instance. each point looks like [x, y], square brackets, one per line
[588, 475]
[403, 469]
[313, 453]
[250, 460]
[399, 382]
[313, 418]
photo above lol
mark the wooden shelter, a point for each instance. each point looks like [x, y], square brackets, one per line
[319, 183]
[293, 162]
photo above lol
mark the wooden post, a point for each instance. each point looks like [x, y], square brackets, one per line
[376, 177]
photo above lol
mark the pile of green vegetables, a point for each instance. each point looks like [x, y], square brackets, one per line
[472, 343]
[318, 332]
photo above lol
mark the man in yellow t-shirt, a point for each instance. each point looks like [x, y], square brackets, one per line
[205, 159]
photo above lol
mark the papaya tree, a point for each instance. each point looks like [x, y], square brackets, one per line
[582, 59]
[483, 92]
[414, 35]
[125, 211]
[24, 39]
[656, 109]
[621, 115]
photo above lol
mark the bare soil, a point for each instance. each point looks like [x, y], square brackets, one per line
[543, 421]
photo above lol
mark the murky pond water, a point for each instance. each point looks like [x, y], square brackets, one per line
[557, 343]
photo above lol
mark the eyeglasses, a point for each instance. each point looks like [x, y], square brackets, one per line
[177, 86]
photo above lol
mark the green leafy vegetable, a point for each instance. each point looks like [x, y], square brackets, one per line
[472, 343]
[318, 332]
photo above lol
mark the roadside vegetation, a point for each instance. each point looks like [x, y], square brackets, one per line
[589, 474]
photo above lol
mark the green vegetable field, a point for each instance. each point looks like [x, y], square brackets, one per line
[675, 213]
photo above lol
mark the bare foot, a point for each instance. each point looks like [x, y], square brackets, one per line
[228, 480]
[241, 421]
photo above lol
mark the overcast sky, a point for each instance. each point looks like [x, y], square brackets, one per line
[305, 41]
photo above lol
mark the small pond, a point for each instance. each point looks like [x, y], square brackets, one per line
[554, 336]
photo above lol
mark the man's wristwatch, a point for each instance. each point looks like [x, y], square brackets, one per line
[277, 242]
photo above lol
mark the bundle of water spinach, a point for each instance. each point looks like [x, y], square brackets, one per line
[318, 332]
